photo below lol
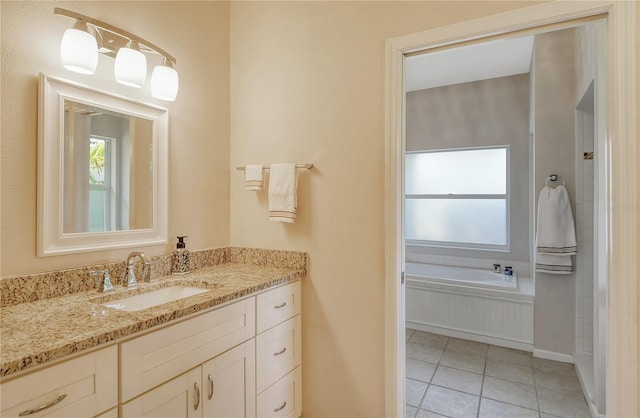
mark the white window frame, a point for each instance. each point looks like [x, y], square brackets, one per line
[109, 180]
[506, 196]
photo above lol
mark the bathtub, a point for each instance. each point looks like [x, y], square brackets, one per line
[470, 303]
[486, 279]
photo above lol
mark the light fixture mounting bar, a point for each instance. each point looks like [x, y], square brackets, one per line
[114, 29]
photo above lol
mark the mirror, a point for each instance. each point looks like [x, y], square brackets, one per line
[102, 170]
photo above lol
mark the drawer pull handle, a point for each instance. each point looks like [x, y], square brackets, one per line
[210, 387]
[197, 396]
[280, 352]
[42, 407]
[282, 305]
[281, 407]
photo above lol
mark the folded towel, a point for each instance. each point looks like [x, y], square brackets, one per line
[283, 181]
[554, 264]
[253, 177]
[556, 232]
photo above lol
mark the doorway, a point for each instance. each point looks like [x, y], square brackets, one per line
[397, 48]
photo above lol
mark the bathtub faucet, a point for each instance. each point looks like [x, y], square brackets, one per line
[496, 268]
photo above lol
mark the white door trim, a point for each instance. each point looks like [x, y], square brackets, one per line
[622, 175]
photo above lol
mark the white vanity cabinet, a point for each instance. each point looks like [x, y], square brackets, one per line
[222, 387]
[278, 352]
[212, 355]
[84, 386]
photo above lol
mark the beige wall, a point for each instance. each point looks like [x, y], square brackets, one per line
[197, 34]
[555, 73]
[307, 85]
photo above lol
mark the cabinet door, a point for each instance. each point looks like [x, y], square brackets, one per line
[81, 387]
[178, 398]
[229, 383]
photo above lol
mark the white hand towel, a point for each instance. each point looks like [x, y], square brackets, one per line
[283, 181]
[556, 232]
[253, 178]
[554, 264]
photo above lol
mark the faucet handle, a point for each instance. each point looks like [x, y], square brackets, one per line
[130, 276]
[105, 284]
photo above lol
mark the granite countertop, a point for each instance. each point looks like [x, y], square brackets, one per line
[37, 332]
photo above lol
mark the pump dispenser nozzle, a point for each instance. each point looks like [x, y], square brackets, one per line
[181, 243]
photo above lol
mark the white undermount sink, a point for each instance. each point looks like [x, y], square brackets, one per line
[154, 298]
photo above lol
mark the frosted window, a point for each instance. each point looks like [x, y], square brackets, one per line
[469, 221]
[458, 197]
[477, 171]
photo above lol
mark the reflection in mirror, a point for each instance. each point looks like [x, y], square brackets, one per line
[102, 170]
[107, 171]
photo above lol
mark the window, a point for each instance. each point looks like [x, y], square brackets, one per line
[100, 184]
[458, 198]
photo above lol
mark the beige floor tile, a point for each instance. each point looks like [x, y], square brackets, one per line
[420, 370]
[460, 380]
[450, 403]
[410, 411]
[428, 414]
[543, 415]
[513, 372]
[551, 365]
[423, 352]
[415, 391]
[561, 378]
[563, 404]
[473, 348]
[510, 392]
[407, 334]
[463, 361]
[509, 355]
[494, 409]
[429, 338]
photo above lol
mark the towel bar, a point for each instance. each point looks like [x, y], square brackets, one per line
[553, 177]
[307, 166]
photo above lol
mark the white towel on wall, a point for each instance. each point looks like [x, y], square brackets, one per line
[555, 232]
[283, 199]
[253, 178]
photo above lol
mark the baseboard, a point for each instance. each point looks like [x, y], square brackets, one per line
[518, 345]
[552, 355]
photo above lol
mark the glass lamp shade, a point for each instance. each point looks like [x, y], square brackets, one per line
[164, 83]
[130, 67]
[79, 50]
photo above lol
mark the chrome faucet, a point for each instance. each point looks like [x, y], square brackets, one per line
[130, 276]
[105, 284]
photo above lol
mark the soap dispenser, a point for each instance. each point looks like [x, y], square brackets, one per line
[180, 260]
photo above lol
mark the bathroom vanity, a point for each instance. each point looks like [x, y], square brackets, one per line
[231, 351]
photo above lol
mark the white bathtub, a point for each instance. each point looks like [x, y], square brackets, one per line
[486, 279]
[470, 303]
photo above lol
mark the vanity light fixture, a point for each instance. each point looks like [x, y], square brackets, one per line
[164, 81]
[79, 49]
[79, 52]
[130, 68]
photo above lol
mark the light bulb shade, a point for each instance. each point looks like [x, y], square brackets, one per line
[130, 67]
[164, 83]
[79, 50]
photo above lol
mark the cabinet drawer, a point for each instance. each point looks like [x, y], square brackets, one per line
[278, 305]
[154, 358]
[278, 352]
[284, 398]
[87, 385]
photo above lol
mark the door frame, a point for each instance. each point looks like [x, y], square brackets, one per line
[622, 176]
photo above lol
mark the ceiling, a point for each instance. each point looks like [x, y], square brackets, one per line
[500, 58]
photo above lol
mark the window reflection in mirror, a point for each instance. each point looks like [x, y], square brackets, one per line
[108, 178]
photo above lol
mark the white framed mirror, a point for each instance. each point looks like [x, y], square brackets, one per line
[102, 170]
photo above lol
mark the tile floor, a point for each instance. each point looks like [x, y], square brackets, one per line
[455, 378]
